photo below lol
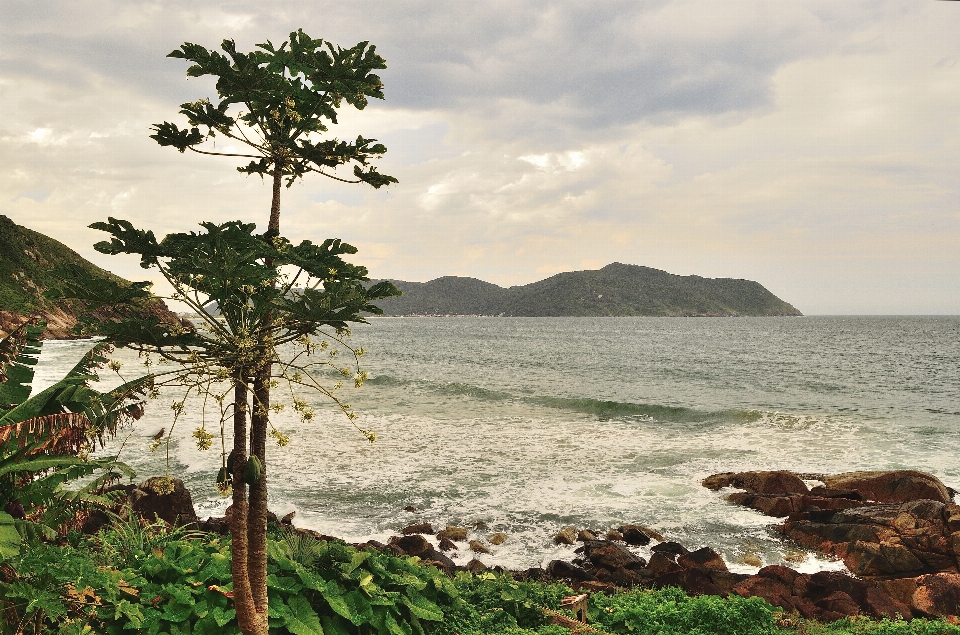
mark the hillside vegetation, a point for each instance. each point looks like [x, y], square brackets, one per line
[28, 262]
[614, 290]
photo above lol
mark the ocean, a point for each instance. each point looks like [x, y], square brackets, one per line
[528, 425]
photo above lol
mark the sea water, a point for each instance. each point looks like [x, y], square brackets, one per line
[528, 425]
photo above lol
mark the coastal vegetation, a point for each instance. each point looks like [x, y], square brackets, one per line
[614, 290]
[29, 266]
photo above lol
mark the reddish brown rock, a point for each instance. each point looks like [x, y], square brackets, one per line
[693, 581]
[839, 602]
[452, 533]
[175, 507]
[637, 535]
[879, 604]
[762, 482]
[605, 554]
[566, 536]
[418, 528]
[704, 559]
[412, 545]
[661, 564]
[891, 486]
[937, 595]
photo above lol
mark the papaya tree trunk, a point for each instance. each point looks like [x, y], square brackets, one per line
[257, 499]
[251, 618]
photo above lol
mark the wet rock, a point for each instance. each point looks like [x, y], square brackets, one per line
[418, 528]
[475, 565]
[585, 534]
[288, 518]
[411, 545]
[446, 545]
[704, 558]
[632, 532]
[760, 482]
[779, 505]
[605, 554]
[175, 507]
[751, 560]
[410, 508]
[891, 486]
[478, 547]
[566, 536]
[452, 533]
[441, 561]
[498, 538]
[613, 534]
[670, 548]
[560, 570]
[635, 535]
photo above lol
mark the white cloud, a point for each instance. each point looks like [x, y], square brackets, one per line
[811, 146]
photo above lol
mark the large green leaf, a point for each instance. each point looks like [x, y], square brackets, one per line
[9, 537]
[302, 619]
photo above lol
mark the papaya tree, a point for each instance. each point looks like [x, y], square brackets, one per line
[255, 293]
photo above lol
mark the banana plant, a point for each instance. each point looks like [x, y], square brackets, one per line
[44, 437]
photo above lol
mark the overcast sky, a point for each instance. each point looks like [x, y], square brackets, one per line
[811, 146]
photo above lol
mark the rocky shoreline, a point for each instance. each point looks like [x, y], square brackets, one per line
[898, 533]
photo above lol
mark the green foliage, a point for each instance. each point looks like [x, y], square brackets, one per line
[671, 611]
[157, 580]
[496, 603]
[28, 264]
[273, 99]
[867, 626]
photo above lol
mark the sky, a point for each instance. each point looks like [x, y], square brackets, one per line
[812, 146]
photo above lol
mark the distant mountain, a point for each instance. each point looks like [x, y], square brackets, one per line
[27, 262]
[614, 290]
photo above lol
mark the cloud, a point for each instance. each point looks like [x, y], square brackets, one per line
[811, 146]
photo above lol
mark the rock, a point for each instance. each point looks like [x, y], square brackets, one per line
[478, 547]
[761, 482]
[566, 536]
[560, 570]
[774, 591]
[891, 486]
[670, 548]
[613, 534]
[621, 577]
[95, 521]
[891, 539]
[585, 534]
[446, 545]
[410, 508]
[412, 545]
[661, 564]
[288, 518]
[452, 533]
[693, 581]
[937, 595]
[498, 538]
[175, 507]
[879, 604]
[595, 587]
[607, 555]
[441, 561]
[418, 528]
[704, 559]
[751, 560]
[475, 565]
[635, 535]
[839, 602]
[780, 505]
[643, 529]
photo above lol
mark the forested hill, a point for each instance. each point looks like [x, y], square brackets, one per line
[28, 260]
[615, 290]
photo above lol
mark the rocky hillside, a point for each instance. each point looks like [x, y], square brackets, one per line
[27, 262]
[614, 290]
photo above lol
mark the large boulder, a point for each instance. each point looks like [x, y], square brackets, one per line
[607, 555]
[891, 486]
[154, 498]
[937, 595]
[759, 482]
